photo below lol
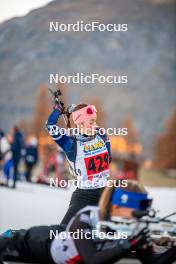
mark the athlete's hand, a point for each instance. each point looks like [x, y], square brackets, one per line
[57, 105]
[166, 242]
[141, 240]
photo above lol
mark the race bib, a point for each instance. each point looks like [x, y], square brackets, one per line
[96, 164]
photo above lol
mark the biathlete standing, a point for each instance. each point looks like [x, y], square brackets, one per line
[88, 153]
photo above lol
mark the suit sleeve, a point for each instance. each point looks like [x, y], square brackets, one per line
[108, 145]
[107, 142]
[149, 256]
[87, 250]
[58, 134]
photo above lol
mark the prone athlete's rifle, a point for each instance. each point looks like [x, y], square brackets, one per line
[163, 230]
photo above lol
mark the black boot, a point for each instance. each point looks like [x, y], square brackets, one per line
[8, 249]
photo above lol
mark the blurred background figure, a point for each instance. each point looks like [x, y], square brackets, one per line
[61, 159]
[4, 157]
[31, 156]
[3, 146]
[17, 146]
[50, 167]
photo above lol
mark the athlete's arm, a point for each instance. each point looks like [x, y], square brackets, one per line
[108, 145]
[107, 142]
[87, 250]
[63, 140]
[149, 256]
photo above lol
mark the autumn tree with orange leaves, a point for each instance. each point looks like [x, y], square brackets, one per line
[165, 147]
[42, 110]
[132, 136]
[132, 140]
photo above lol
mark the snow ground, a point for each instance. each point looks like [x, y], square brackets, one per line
[34, 204]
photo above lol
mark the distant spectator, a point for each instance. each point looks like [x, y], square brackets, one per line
[4, 151]
[31, 156]
[61, 160]
[1, 138]
[6, 158]
[16, 147]
[4, 146]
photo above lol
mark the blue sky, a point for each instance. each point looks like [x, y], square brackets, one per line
[13, 8]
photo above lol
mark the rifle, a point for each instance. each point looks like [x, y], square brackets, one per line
[65, 111]
[163, 230]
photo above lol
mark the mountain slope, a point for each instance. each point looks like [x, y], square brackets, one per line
[29, 52]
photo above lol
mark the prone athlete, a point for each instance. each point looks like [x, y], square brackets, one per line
[117, 211]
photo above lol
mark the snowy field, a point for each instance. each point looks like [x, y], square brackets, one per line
[32, 204]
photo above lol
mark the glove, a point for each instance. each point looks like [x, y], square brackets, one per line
[58, 105]
[141, 239]
[61, 110]
[146, 255]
